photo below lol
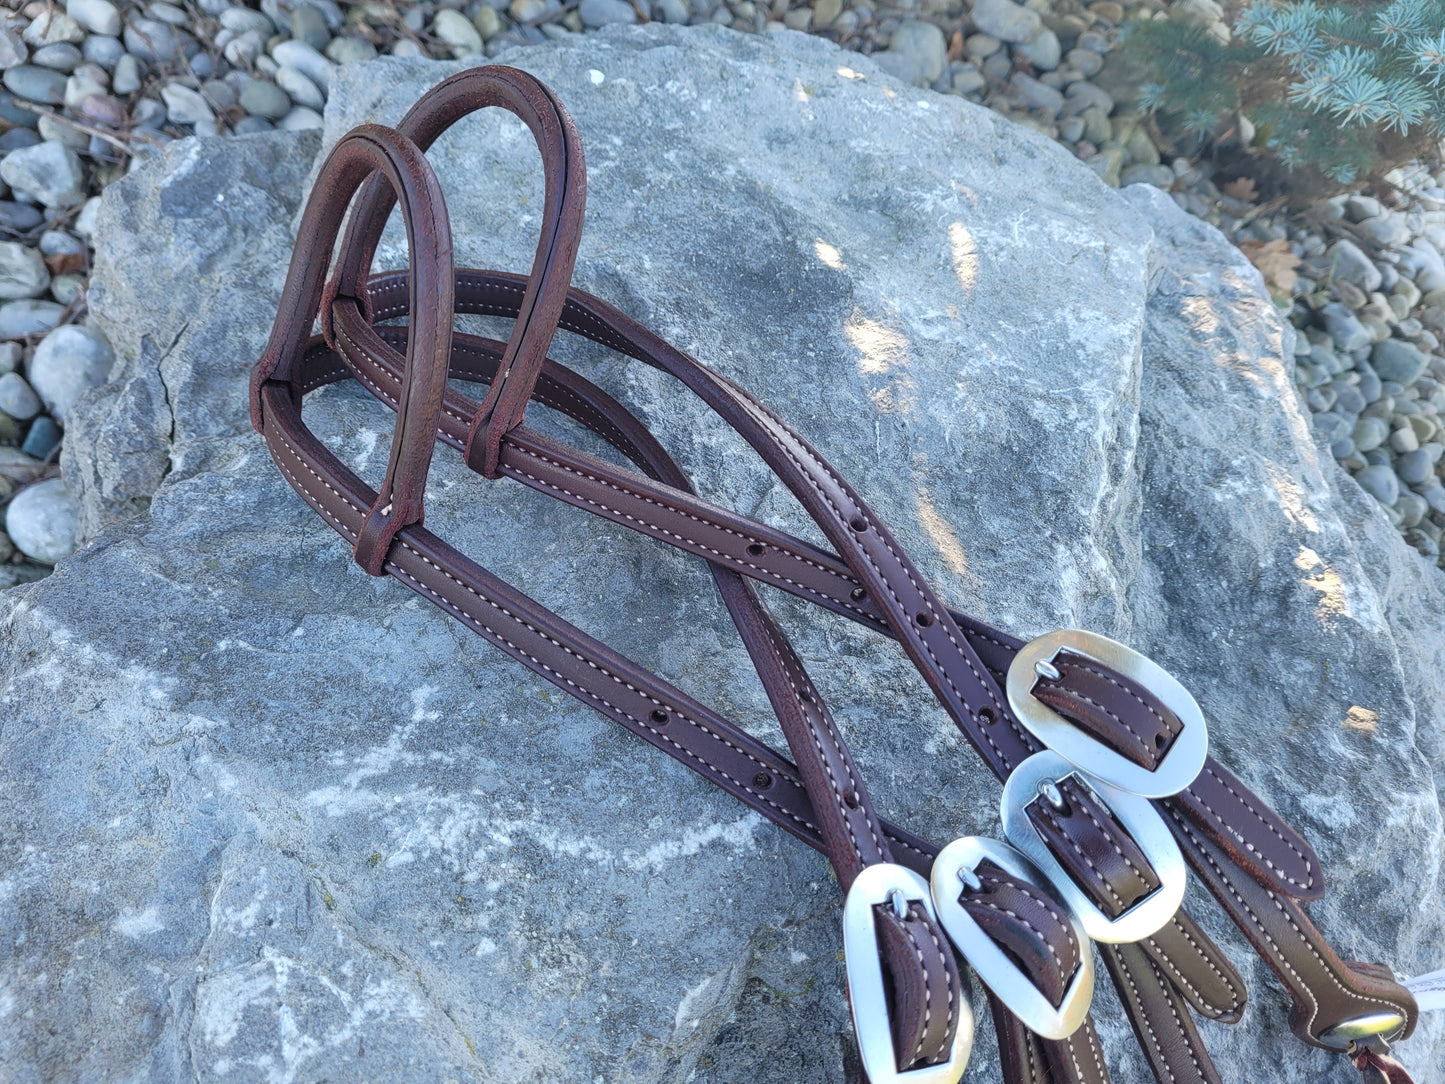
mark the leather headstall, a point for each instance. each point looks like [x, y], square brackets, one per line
[1109, 794]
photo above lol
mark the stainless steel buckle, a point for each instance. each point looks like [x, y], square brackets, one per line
[891, 884]
[1174, 772]
[1045, 770]
[1382, 1024]
[951, 871]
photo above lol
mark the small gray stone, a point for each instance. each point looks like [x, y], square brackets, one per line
[916, 53]
[1037, 94]
[103, 51]
[1346, 331]
[969, 80]
[61, 57]
[152, 40]
[1083, 96]
[127, 77]
[1331, 427]
[22, 271]
[1435, 496]
[1349, 397]
[57, 132]
[43, 438]
[13, 50]
[28, 317]
[597, 13]
[244, 50]
[168, 13]
[354, 50]
[1043, 51]
[41, 521]
[251, 125]
[265, 99]
[10, 355]
[1397, 360]
[98, 16]
[17, 398]
[34, 84]
[1354, 266]
[302, 90]
[65, 288]
[68, 362]
[52, 26]
[300, 119]
[1379, 481]
[457, 31]
[184, 105]
[309, 25]
[1415, 468]
[306, 60]
[1387, 230]
[1369, 434]
[85, 83]
[16, 466]
[1084, 61]
[1412, 508]
[19, 217]
[1161, 177]
[240, 20]
[981, 46]
[1006, 20]
[675, 11]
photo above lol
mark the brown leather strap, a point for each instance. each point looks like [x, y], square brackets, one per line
[1267, 849]
[1162, 1024]
[1252, 862]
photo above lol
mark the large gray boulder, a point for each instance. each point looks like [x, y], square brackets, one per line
[264, 817]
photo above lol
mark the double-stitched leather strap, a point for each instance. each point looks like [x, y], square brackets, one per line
[1225, 830]
[1217, 804]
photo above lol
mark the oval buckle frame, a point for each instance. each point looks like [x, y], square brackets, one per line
[1174, 772]
[866, 999]
[1138, 817]
[993, 966]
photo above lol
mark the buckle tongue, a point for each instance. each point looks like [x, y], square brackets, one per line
[895, 886]
[1174, 771]
[953, 868]
[1030, 781]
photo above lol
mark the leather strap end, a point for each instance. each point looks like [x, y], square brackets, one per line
[373, 542]
[927, 989]
[484, 450]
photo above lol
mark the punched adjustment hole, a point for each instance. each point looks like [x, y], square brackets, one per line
[923, 619]
[660, 717]
[851, 799]
[857, 594]
[858, 523]
[986, 716]
[762, 781]
[806, 696]
[756, 549]
[1159, 741]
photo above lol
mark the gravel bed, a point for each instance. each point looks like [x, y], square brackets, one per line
[93, 88]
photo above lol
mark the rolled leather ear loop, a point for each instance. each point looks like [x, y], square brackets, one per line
[564, 200]
[366, 151]
[1295, 921]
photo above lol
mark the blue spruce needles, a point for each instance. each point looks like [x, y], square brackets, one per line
[1345, 91]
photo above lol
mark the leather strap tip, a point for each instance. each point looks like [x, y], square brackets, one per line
[484, 451]
[373, 543]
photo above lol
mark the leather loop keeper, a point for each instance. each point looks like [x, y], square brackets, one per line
[374, 541]
[564, 201]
